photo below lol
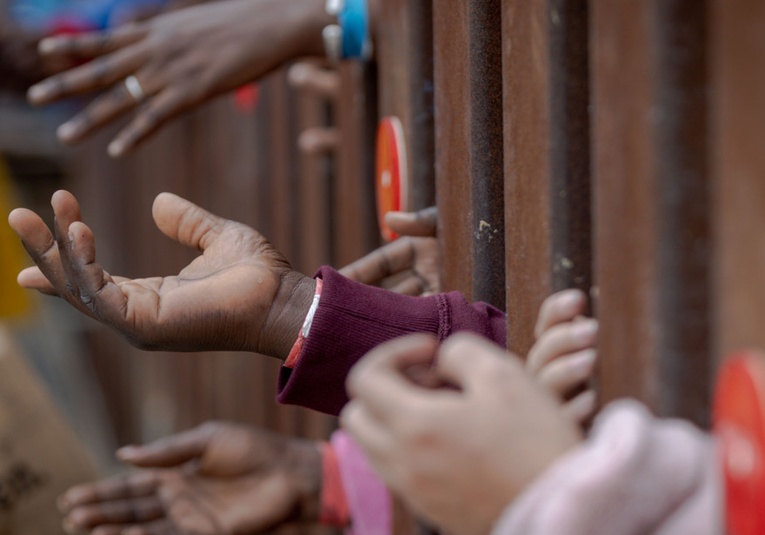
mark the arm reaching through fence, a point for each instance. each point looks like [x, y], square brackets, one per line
[177, 61]
[239, 294]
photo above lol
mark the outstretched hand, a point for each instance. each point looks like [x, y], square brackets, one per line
[179, 59]
[408, 265]
[219, 478]
[239, 294]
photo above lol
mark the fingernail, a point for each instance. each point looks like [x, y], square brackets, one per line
[47, 45]
[37, 92]
[571, 298]
[126, 451]
[585, 330]
[583, 361]
[67, 130]
[62, 503]
[116, 148]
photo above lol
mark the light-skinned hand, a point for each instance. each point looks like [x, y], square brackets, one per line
[408, 265]
[457, 456]
[218, 479]
[239, 294]
[564, 355]
[180, 59]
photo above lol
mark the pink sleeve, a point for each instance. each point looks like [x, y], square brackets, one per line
[368, 499]
[636, 475]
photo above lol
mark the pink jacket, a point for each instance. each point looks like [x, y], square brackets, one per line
[635, 475]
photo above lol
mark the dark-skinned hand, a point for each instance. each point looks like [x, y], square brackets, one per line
[219, 478]
[180, 59]
[408, 265]
[240, 294]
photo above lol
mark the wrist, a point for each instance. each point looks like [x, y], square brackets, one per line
[285, 318]
[313, 20]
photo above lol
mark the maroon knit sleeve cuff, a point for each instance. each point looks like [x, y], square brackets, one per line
[353, 318]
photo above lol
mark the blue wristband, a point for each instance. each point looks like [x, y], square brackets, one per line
[354, 20]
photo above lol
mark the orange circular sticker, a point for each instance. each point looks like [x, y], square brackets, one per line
[739, 423]
[391, 172]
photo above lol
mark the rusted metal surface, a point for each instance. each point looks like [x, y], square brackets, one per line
[738, 77]
[651, 195]
[546, 143]
[469, 174]
[355, 112]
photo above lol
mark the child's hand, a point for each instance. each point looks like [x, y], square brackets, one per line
[564, 354]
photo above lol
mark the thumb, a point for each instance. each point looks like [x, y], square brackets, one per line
[422, 223]
[185, 222]
[469, 362]
[169, 451]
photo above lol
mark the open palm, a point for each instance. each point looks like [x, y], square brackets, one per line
[219, 478]
[231, 297]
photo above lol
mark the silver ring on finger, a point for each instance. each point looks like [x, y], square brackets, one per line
[133, 87]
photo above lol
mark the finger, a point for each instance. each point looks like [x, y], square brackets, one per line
[101, 530]
[318, 140]
[98, 291]
[422, 223]
[582, 407]
[91, 44]
[42, 249]
[185, 222]
[66, 210]
[560, 340]
[414, 285]
[116, 512]
[115, 488]
[149, 118]
[158, 527]
[467, 360]
[379, 380]
[564, 374]
[101, 111]
[309, 77]
[97, 74]
[383, 262]
[34, 279]
[560, 307]
[374, 437]
[170, 451]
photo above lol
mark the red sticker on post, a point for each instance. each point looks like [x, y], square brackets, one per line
[391, 173]
[739, 423]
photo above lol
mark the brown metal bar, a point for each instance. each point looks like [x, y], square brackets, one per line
[469, 179]
[737, 28]
[547, 167]
[651, 182]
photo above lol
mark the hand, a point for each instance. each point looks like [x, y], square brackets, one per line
[563, 357]
[408, 265]
[240, 294]
[218, 478]
[457, 457]
[180, 59]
